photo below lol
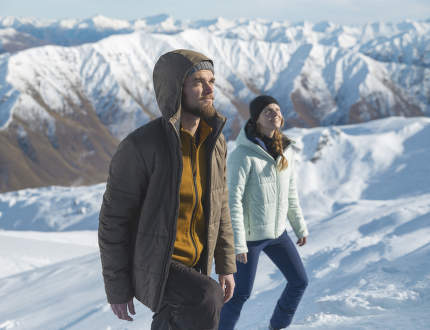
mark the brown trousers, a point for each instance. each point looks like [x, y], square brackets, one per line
[191, 301]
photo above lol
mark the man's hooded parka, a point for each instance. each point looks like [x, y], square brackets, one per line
[138, 216]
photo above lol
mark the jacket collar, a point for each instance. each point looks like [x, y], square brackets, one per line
[242, 140]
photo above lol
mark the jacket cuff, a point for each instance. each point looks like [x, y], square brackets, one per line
[227, 267]
[239, 250]
[118, 294]
[302, 233]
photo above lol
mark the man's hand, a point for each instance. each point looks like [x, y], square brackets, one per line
[120, 310]
[242, 257]
[227, 285]
[301, 241]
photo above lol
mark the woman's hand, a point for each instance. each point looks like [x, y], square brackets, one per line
[301, 241]
[242, 258]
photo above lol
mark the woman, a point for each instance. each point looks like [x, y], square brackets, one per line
[262, 195]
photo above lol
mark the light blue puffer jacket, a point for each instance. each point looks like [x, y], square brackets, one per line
[261, 197]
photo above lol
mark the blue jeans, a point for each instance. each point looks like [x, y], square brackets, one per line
[283, 253]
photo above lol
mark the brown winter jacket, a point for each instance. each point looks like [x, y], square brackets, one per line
[137, 223]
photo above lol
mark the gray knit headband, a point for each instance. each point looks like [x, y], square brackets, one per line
[204, 65]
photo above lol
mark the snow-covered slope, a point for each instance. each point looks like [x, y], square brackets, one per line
[366, 197]
[51, 208]
[21, 251]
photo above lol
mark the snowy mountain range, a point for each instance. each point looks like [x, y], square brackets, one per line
[364, 190]
[64, 106]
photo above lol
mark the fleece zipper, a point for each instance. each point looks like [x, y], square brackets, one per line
[194, 171]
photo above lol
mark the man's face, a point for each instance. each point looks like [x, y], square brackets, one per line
[198, 94]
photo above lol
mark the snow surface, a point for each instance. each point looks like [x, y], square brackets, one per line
[365, 194]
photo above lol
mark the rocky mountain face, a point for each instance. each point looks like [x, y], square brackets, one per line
[82, 85]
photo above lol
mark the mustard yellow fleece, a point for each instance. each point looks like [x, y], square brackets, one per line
[191, 226]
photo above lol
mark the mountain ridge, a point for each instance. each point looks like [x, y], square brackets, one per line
[318, 72]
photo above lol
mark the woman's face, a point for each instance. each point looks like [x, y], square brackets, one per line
[270, 118]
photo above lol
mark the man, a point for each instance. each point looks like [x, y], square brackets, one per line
[165, 213]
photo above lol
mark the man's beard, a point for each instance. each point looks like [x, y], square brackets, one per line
[202, 111]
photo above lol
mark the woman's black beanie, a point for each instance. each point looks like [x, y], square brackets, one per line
[258, 104]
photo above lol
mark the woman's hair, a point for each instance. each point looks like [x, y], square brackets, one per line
[278, 145]
[280, 141]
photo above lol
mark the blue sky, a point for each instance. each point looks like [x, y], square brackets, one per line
[337, 11]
